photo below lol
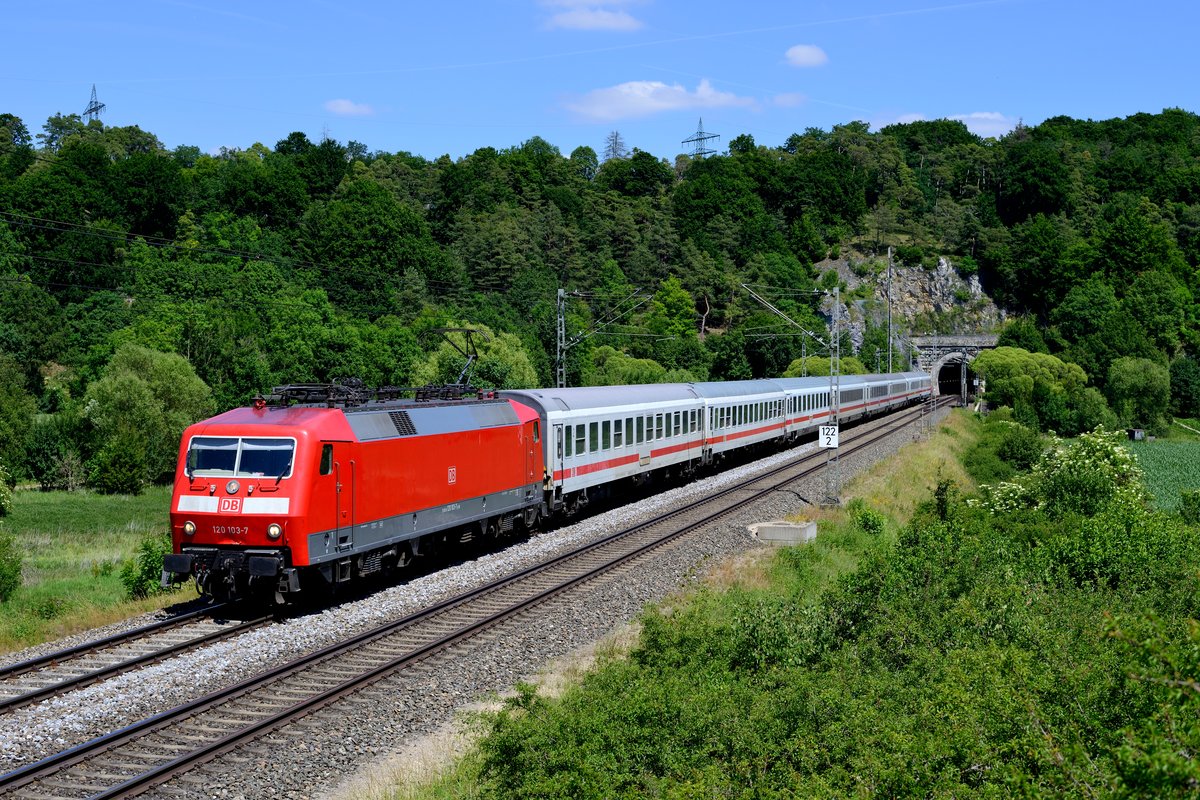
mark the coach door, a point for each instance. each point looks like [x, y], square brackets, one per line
[559, 458]
[343, 468]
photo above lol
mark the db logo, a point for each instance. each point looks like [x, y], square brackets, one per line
[230, 505]
[452, 475]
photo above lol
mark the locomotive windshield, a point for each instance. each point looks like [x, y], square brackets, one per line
[240, 457]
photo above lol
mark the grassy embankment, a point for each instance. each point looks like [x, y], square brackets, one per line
[894, 487]
[73, 545]
[1039, 641]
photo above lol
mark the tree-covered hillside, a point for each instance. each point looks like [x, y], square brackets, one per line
[121, 261]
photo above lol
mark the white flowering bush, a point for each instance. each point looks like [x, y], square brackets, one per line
[1085, 474]
[6, 494]
[1007, 496]
[1082, 475]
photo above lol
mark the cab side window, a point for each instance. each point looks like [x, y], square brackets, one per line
[326, 459]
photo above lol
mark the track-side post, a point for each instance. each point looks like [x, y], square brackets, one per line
[832, 479]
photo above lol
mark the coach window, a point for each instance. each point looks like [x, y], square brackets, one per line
[605, 435]
[641, 429]
[658, 427]
[567, 437]
[618, 439]
[580, 440]
[594, 436]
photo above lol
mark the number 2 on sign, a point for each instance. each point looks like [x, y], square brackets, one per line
[828, 436]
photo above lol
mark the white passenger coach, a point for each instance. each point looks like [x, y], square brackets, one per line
[603, 434]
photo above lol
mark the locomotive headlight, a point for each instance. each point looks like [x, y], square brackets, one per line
[232, 487]
[274, 530]
[189, 527]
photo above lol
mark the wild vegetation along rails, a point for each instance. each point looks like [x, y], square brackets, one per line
[151, 752]
[60, 671]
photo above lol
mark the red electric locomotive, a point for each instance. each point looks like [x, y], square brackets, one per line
[318, 483]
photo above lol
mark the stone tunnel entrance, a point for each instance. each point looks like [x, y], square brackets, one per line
[955, 376]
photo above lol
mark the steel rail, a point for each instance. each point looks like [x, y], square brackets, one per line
[108, 641]
[134, 785]
[78, 681]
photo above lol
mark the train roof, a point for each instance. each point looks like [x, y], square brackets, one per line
[712, 389]
[588, 397]
[326, 423]
[372, 420]
[844, 381]
[580, 398]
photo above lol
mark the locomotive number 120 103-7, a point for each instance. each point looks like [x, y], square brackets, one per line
[231, 530]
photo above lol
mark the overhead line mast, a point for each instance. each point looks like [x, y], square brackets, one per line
[94, 107]
[699, 141]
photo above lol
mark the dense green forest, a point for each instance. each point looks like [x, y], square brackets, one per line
[142, 287]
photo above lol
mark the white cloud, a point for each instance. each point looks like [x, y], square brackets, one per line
[348, 108]
[594, 19]
[592, 15]
[643, 98]
[806, 55]
[789, 99]
[987, 123]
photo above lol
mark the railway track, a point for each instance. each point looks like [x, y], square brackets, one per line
[148, 753]
[64, 670]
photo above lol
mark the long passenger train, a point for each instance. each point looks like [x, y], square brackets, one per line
[324, 484]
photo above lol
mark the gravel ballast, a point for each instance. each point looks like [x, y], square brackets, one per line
[309, 758]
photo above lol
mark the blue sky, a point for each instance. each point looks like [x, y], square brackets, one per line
[449, 77]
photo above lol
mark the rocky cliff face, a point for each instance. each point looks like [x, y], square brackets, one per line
[923, 300]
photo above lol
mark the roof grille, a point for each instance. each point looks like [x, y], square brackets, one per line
[404, 424]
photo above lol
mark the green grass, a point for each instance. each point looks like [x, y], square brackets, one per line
[1184, 429]
[1170, 467]
[761, 580]
[981, 654]
[73, 545]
